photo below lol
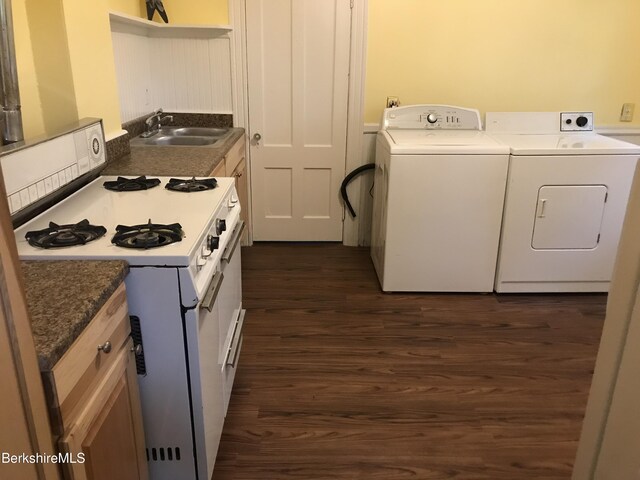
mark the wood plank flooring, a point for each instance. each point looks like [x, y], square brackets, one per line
[338, 380]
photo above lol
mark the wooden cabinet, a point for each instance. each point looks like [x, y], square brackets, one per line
[219, 171]
[235, 165]
[242, 187]
[95, 399]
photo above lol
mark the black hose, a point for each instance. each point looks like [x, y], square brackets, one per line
[347, 179]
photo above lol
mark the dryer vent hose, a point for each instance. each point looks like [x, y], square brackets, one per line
[347, 179]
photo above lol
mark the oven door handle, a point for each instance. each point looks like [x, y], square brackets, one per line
[231, 358]
[212, 292]
[233, 243]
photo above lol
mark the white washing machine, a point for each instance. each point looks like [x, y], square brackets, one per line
[566, 198]
[438, 197]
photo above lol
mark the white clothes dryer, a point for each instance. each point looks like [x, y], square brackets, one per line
[565, 202]
[438, 198]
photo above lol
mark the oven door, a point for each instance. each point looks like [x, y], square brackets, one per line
[205, 374]
[231, 312]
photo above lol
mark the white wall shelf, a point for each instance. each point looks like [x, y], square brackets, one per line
[129, 24]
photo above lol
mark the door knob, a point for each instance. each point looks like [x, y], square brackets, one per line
[257, 137]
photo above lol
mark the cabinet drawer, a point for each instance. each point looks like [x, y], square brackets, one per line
[234, 156]
[83, 366]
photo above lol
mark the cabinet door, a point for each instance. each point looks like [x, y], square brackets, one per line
[240, 174]
[108, 432]
[234, 156]
[219, 171]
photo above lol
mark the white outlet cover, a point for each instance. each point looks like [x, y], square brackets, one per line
[626, 115]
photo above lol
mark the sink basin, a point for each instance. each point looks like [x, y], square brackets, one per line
[160, 139]
[194, 131]
[184, 136]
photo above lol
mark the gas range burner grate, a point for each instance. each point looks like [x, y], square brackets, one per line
[59, 236]
[147, 236]
[123, 184]
[191, 185]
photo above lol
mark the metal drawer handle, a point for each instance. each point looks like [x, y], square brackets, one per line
[212, 292]
[105, 347]
[233, 243]
[234, 348]
[137, 350]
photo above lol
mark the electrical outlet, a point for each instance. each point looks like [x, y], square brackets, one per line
[392, 102]
[626, 114]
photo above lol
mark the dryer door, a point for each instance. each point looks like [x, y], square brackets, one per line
[568, 217]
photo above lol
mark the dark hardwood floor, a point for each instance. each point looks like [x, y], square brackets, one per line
[338, 380]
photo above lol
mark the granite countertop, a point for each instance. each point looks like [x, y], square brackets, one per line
[172, 160]
[59, 315]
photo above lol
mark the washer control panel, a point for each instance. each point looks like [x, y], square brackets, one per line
[576, 121]
[431, 117]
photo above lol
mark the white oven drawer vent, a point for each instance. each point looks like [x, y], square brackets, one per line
[138, 349]
[163, 454]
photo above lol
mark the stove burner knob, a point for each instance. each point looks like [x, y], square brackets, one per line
[213, 243]
[221, 226]
[582, 121]
[431, 118]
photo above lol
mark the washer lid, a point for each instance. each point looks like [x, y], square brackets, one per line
[566, 144]
[443, 142]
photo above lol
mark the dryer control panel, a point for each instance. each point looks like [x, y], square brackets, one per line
[431, 117]
[576, 121]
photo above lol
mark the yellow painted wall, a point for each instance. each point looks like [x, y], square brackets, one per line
[65, 63]
[92, 63]
[130, 7]
[492, 55]
[65, 56]
[196, 12]
[497, 55]
[52, 63]
[185, 12]
[29, 95]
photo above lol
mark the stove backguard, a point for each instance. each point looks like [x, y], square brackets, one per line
[42, 172]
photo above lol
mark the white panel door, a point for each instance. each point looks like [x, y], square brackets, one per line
[619, 456]
[298, 66]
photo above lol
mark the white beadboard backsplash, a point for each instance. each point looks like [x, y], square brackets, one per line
[178, 74]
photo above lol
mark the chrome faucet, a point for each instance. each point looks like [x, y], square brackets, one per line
[154, 123]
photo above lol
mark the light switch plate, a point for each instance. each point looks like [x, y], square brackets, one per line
[626, 114]
[576, 121]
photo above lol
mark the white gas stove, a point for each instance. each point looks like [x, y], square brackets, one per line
[200, 214]
[183, 289]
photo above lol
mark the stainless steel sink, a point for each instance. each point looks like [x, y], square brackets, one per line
[184, 136]
[194, 131]
[175, 140]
